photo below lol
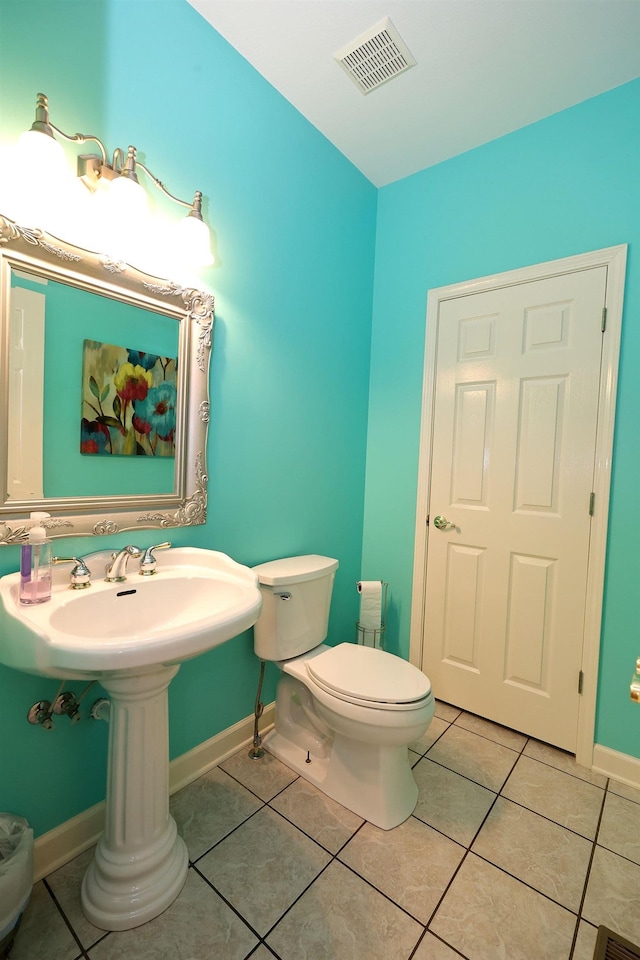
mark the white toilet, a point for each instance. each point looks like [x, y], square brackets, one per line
[346, 714]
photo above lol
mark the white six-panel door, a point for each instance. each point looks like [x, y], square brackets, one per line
[513, 447]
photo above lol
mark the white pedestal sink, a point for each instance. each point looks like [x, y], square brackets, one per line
[132, 637]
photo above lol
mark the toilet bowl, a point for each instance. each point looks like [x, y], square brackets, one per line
[345, 715]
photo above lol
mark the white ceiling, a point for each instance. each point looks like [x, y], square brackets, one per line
[484, 68]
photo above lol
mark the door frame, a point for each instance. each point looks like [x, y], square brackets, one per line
[614, 258]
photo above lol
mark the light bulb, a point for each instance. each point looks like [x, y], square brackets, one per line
[194, 242]
[43, 155]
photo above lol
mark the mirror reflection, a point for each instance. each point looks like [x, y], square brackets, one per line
[92, 394]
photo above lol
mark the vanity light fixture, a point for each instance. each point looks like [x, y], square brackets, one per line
[117, 209]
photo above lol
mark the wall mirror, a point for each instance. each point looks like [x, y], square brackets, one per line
[104, 392]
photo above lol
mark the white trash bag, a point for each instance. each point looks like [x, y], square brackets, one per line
[16, 874]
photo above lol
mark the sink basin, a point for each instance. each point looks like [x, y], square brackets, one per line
[196, 600]
[132, 636]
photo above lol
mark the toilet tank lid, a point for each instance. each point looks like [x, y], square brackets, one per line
[274, 573]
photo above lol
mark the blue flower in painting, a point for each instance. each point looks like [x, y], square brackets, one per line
[94, 437]
[157, 411]
[145, 360]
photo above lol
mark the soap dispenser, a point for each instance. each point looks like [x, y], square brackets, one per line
[35, 564]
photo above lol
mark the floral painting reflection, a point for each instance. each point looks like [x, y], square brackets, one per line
[128, 402]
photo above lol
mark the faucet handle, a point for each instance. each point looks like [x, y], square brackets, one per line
[148, 562]
[80, 575]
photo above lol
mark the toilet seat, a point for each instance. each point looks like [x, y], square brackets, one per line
[369, 677]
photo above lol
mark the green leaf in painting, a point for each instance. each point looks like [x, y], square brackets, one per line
[111, 422]
[104, 394]
[93, 386]
[117, 405]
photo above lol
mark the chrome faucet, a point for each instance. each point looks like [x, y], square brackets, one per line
[80, 574]
[117, 568]
[148, 562]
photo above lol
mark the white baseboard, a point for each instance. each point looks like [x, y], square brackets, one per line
[66, 841]
[620, 766]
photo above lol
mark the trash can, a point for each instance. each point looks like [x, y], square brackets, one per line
[16, 875]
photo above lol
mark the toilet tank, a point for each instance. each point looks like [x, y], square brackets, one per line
[296, 597]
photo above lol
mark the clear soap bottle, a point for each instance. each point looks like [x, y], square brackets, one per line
[35, 565]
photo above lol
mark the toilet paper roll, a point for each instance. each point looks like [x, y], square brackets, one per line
[370, 604]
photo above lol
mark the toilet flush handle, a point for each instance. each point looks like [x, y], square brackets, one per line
[284, 596]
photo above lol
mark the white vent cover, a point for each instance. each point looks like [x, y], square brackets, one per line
[376, 56]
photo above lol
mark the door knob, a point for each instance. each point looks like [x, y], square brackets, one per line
[442, 523]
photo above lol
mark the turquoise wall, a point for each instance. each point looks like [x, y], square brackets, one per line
[563, 186]
[294, 427]
[294, 226]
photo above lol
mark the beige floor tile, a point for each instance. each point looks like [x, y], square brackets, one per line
[487, 914]
[340, 917]
[450, 803]
[322, 818]
[197, 926]
[564, 761]
[541, 853]
[206, 810]
[412, 864]
[66, 883]
[446, 711]
[482, 760]
[43, 932]
[620, 827]
[571, 802]
[433, 949]
[624, 790]
[613, 894]
[263, 866]
[493, 731]
[585, 942]
[265, 777]
[435, 729]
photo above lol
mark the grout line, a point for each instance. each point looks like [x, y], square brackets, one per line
[468, 847]
[371, 884]
[543, 816]
[224, 899]
[300, 895]
[458, 774]
[440, 940]
[484, 736]
[567, 773]
[588, 874]
[593, 853]
[525, 883]
[67, 921]
[226, 836]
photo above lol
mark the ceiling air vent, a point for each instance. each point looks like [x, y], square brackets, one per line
[376, 56]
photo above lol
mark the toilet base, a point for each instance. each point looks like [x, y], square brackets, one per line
[375, 782]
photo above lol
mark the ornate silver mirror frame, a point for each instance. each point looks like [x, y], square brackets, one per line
[36, 252]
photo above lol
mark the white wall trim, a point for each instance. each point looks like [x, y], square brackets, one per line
[614, 259]
[66, 841]
[620, 766]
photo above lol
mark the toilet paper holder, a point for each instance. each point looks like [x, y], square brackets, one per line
[374, 636]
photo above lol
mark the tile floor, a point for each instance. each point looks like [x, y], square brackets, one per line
[513, 853]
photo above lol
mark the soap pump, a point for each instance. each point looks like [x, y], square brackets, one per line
[35, 564]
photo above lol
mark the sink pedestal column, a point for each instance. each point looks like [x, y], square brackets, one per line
[140, 863]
